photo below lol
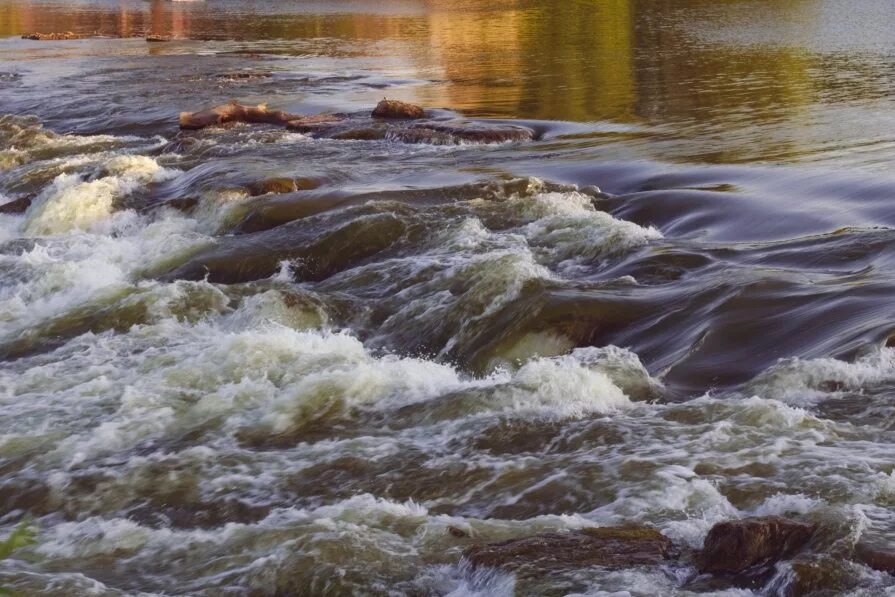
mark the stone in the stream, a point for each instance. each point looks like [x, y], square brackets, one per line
[282, 184]
[878, 558]
[736, 546]
[315, 123]
[452, 133]
[16, 206]
[157, 38]
[817, 577]
[611, 547]
[397, 109]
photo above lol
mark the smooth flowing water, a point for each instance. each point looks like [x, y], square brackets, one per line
[209, 389]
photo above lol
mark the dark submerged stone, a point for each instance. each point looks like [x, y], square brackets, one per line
[738, 546]
[610, 547]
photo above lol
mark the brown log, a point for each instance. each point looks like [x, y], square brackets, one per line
[260, 114]
[234, 112]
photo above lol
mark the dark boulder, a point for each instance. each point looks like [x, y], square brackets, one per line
[738, 546]
[456, 133]
[878, 558]
[397, 109]
[610, 547]
[16, 206]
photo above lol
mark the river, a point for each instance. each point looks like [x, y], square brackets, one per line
[253, 361]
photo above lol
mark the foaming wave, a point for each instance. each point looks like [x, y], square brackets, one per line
[805, 382]
[70, 203]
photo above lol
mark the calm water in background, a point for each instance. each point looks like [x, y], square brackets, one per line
[300, 393]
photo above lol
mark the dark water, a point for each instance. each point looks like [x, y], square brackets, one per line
[673, 306]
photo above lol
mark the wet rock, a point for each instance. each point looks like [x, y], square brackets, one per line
[314, 124]
[361, 134]
[16, 206]
[457, 533]
[397, 109]
[817, 577]
[243, 76]
[878, 558]
[610, 547]
[157, 38]
[445, 133]
[739, 546]
[280, 185]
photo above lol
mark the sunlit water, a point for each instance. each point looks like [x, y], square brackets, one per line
[207, 390]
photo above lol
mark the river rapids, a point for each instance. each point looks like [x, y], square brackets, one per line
[249, 361]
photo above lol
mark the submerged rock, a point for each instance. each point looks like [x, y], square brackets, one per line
[818, 576]
[738, 546]
[878, 558]
[453, 133]
[397, 109]
[610, 547]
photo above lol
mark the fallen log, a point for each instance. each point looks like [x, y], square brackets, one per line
[234, 112]
[54, 36]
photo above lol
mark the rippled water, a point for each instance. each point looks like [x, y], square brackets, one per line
[208, 389]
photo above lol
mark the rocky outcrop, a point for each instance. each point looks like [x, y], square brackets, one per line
[611, 547]
[392, 120]
[397, 109]
[738, 546]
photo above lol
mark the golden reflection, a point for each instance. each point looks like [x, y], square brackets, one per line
[629, 61]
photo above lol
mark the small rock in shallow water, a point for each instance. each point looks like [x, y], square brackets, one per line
[397, 109]
[611, 547]
[736, 546]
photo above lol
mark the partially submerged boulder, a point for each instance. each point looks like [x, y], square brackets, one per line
[455, 133]
[610, 547]
[737, 546]
[16, 206]
[878, 558]
[397, 109]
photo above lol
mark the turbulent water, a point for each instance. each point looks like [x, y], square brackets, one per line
[672, 307]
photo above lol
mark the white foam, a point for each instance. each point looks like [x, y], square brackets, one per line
[70, 203]
[805, 382]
